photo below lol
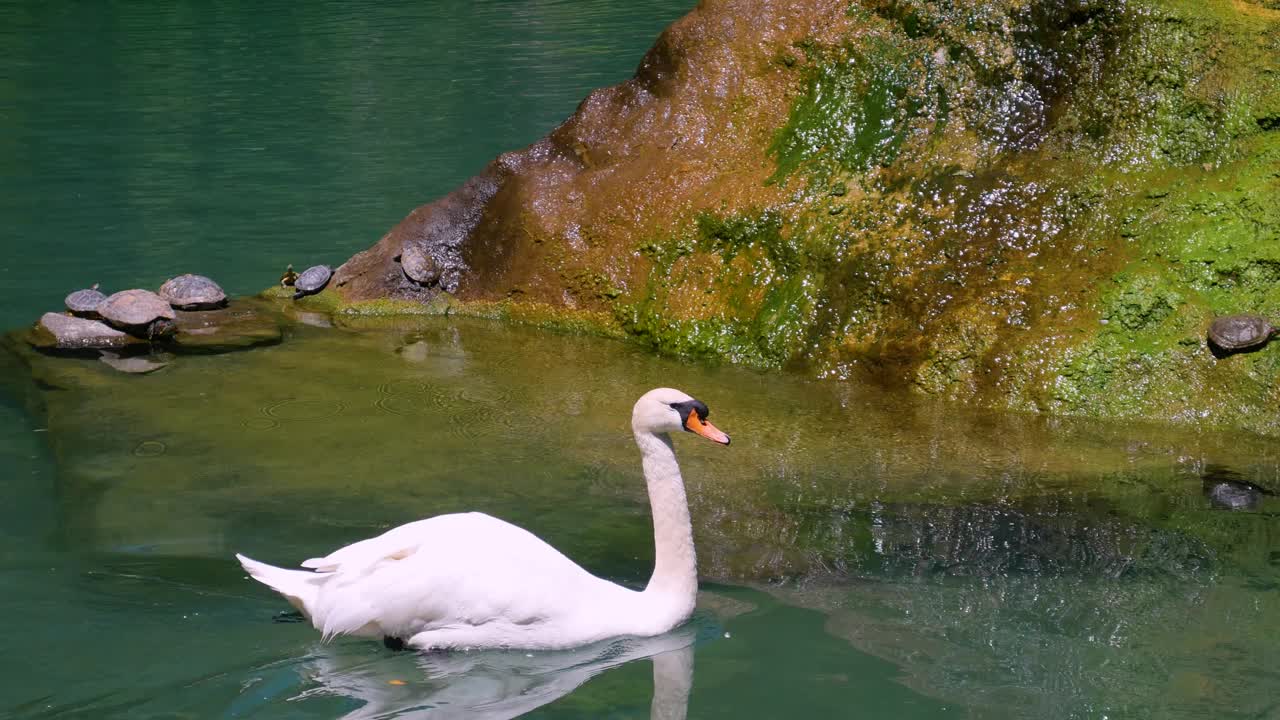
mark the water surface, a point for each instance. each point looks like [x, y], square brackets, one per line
[856, 549]
[862, 554]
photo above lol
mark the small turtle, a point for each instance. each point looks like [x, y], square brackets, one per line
[139, 312]
[84, 303]
[1238, 333]
[193, 292]
[312, 280]
[1233, 495]
[289, 277]
[418, 265]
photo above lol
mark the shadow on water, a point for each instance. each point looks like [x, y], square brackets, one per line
[994, 564]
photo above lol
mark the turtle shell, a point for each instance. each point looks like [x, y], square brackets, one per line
[312, 280]
[135, 308]
[192, 292]
[418, 265]
[1240, 332]
[85, 302]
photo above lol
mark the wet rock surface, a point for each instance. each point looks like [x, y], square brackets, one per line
[242, 324]
[56, 330]
[1037, 205]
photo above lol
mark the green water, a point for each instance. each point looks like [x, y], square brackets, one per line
[861, 554]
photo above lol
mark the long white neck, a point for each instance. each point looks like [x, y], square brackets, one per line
[675, 571]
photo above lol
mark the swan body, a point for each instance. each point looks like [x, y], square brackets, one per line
[470, 580]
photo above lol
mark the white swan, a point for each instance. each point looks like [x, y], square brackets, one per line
[473, 581]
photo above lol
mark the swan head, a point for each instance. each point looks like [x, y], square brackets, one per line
[666, 410]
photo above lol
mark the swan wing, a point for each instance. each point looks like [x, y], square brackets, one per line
[395, 544]
[465, 576]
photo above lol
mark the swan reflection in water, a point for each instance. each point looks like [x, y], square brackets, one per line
[496, 684]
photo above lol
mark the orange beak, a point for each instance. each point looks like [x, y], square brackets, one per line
[697, 425]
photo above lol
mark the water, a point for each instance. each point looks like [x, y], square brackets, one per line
[861, 554]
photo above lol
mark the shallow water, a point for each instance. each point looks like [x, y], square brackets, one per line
[857, 550]
[861, 554]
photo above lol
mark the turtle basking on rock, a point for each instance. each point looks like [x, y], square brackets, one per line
[193, 292]
[418, 265]
[1239, 333]
[312, 280]
[141, 313]
[84, 303]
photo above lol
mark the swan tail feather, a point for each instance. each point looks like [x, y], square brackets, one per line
[300, 587]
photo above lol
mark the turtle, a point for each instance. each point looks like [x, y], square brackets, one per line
[193, 292]
[1232, 495]
[312, 280]
[84, 303]
[418, 265]
[1238, 333]
[288, 277]
[139, 312]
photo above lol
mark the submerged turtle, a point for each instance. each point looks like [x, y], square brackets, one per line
[139, 312]
[312, 280]
[1234, 495]
[1237, 333]
[84, 303]
[289, 277]
[193, 292]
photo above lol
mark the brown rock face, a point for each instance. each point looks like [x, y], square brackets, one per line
[547, 222]
[1018, 203]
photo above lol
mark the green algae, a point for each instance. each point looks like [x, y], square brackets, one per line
[854, 112]
[757, 315]
[1029, 205]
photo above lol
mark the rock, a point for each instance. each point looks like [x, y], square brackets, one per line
[239, 325]
[141, 313]
[1016, 232]
[193, 292]
[418, 265]
[66, 332]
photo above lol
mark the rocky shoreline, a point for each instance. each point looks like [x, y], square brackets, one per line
[1030, 206]
[1036, 206]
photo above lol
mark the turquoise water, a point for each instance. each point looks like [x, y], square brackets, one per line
[861, 554]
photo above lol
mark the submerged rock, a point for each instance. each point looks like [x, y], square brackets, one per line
[66, 332]
[240, 325]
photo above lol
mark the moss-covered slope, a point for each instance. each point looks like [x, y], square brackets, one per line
[1036, 205]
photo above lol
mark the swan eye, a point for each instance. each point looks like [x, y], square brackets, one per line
[691, 406]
